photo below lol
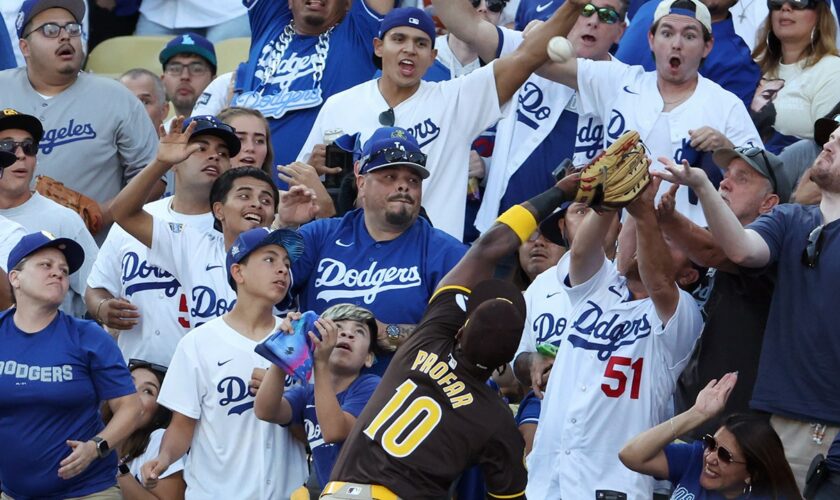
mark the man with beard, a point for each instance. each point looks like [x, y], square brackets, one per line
[799, 244]
[96, 133]
[189, 65]
[381, 257]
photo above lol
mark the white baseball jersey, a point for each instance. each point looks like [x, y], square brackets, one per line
[151, 453]
[10, 234]
[124, 270]
[444, 118]
[547, 308]
[627, 98]
[191, 13]
[233, 453]
[214, 97]
[614, 374]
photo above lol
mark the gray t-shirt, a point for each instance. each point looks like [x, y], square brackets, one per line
[97, 134]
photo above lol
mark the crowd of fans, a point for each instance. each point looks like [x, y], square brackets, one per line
[407, 173]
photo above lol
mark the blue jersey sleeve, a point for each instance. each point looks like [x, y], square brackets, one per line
[444, 252]
[359, 393]
[313, 235]
[110, 376]
[679, 459]
[297, 396]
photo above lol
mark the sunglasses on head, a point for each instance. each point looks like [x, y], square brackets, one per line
[607, 15]
[723, 454]
[200, 122]
[794, 4]
[392, 155]
[387, 118]
[813, 247]
[29, 147]
[752, 152]
[139, 363]
[492, 5]
[52, 30]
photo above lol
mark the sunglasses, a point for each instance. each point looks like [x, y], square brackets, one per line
[194, 68]
[392, 155]
[607, 15]
[492, 5]
[139, 363]
[813, 248]
[29, 147]
[387, 118]
[202, 124]
[794, 4]
[711, 444]
[52, 30]
[752, 152]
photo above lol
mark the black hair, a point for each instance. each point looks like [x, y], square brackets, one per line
[222, 186]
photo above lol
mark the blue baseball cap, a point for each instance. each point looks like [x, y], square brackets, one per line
[210, 125]
[391, 147]
[406, 16]
[253, 239]
[32, 8]
[31, 243]
[689, 8]
[189, 43]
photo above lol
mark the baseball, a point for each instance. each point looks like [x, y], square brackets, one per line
[560, 49]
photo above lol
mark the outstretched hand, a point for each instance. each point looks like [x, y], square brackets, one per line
[174, 146]
[644, 202]
[569, 185]
[297, 206]
[712, 399]
[684, 175]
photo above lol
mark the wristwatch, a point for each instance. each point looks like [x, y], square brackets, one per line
[393, 331]
[123, 469]
[102, 447]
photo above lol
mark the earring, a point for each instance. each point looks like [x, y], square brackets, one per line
[813, 37]
[747, 490]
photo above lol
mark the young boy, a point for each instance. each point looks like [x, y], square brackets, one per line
[232, 453]
[329, 407]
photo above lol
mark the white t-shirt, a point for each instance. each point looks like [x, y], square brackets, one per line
[444, 117]
[123, 269]
[627, 98]
[191, 13]
[10, 234]
[214, 97]
[151, 453]
[808, 94]
[613, 377]
[233, 454]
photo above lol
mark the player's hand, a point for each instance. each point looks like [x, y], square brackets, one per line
[174, 146]
[297, 206]
[257, 376]
[323, 348]
[477, 167]
[712, 399]
[84, 452]
[666, 209]
[684, 175]
[643, 204]
[540, 369]
[118, 313]
[708, 139]
[150, 471]
[569, 185]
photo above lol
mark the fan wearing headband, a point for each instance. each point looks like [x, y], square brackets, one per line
[472, 325]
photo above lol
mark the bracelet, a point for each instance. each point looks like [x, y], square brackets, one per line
[98, 308]
[673, 431]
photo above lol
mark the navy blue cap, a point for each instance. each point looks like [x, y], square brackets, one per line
[406, 16]
[550, 228]
[32, 8]
[31, 243]
[250, 240]
[189, 43]
[390, 147]
[10, 118]
[210, 125]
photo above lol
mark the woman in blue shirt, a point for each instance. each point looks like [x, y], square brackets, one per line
[744, 459]
[55, 371]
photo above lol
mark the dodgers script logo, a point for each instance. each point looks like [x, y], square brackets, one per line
[590, 137]
[424, 132]
[548, 328]
[682, 493]
[530, 108]
[207, 305]
[340, 282]
[234, 390]
[595, 330]
[313, 433]
[73, 132]
[616, 127]
[138, 272]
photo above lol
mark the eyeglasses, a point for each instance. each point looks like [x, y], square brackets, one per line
[387, 118]
[607, 15]
[29, 147]
[794, 4]
[195, 68]
[811, 254]
[392, 155]
[723, 454]
[52, 30]
[492, 5]
[139, 363]
[752, 152]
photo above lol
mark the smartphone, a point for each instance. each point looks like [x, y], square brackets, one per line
[610, 495]
[562, 170]
[337, 157]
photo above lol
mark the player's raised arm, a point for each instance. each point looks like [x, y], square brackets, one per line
[127, 207]
[463, 21]
[743, 246]
[510, 230]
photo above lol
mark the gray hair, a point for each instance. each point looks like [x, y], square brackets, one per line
[136, 73]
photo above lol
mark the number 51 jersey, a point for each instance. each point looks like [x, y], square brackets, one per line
[431, 418]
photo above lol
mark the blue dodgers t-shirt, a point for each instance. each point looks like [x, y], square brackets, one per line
[52, 384]
[797, 371]
[729, 64]
[685, 464]
[302, 401]
[285, 90]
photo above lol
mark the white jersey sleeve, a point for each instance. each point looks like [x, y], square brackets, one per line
[214, 97]
[597, 82]
[107, 268]
[10, 234]
[183, 388]
[681, 332]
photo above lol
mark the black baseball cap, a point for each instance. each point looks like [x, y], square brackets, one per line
[826, 125]
[550, 228]
[11, 118]
[210, 125]
[495, 319]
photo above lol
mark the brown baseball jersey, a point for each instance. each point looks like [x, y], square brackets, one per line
[431, 418]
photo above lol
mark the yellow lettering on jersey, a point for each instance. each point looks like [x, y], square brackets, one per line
[447, 379]
[440, 371]
[429, 362]
[421, 356]
[453, 389]
[461, 400]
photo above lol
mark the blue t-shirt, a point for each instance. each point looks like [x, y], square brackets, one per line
[729, 64]
[52, 384]
[302, 401]
[285, 90]
[833, 458]
[685, 464]
[529, 409]
[797, 372]
[7, 54]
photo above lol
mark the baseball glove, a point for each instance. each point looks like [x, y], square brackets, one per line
[87, 208]
[617, 175]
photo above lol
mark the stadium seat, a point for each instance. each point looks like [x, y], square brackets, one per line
[231, 52]
[117, 55]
